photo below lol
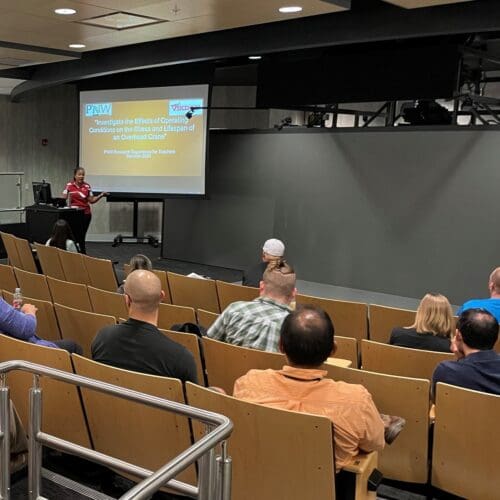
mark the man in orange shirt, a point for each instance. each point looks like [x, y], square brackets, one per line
[307, 339]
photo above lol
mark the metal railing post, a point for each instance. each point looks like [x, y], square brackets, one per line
[208, 472]
[224, 464]
[5, 440]
[34, 446]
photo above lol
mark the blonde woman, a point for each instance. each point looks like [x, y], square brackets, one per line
[433, 326]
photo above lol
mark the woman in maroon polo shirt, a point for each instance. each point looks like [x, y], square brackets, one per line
[81, 196]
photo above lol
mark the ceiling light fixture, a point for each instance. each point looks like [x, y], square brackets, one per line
[65, 12]
[255, 58]
[77, 46]
[290, 10]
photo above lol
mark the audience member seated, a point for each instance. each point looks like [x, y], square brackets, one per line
[137, 344]
[272, 251]
[138, 261]
[307, 340]
[257, 323]
[432, 329]
[478, 365]
[62, 237]
[492, 304]
[21, 324]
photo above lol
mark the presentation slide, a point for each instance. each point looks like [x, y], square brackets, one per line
[147, 140]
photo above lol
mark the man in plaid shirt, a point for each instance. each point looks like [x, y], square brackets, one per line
[257, 324]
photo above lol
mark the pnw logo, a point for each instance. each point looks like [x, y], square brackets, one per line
[99, 109]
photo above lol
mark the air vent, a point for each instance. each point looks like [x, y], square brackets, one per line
[121, 21]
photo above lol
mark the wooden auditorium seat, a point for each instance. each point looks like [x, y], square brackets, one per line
[26, 255]
[50, 261]
[230, 292]
[33, 285]
[104, 302]
[206, 318]
[347, 348]
[224, 362]
[73, 267]
[466, 443]
[8, 280]
[63, 414]
[401, 361]
[383, 319]
[70, 294]
[349, 318]
[81, 326]
[191, 343]
[47, 327]
[101, 273]
[276, 454]
[406, 458]
[193, 292]
[9, 242]
[130, 431]
[170, 314]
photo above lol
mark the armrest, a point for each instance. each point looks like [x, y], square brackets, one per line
[363, 465]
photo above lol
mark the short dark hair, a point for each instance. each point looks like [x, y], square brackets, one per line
[479, 329]
[307, 336]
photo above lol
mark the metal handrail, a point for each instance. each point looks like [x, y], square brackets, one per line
[214, 472]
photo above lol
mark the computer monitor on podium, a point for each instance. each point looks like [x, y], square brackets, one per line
[42, 193]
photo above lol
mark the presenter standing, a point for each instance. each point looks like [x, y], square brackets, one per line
[80, 196]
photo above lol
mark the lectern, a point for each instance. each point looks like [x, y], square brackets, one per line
[40, 220]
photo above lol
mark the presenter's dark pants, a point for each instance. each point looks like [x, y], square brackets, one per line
[86, 223]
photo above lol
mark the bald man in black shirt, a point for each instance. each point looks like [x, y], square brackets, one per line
[137, 344]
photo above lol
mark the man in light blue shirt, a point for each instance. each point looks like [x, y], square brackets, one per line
[492, 305]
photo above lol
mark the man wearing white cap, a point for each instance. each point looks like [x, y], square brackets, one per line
[272, 251]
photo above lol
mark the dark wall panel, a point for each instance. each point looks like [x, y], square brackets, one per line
[401, 212]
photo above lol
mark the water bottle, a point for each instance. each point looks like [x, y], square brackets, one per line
[17, 302]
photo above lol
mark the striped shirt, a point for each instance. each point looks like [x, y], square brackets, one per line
[254, 324]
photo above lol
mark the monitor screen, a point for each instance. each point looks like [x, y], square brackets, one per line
[42, 193]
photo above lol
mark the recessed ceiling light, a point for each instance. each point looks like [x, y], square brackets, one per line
[65, 12]
[255, 58]
[77, 46]
[290, 10]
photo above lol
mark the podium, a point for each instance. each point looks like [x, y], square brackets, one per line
[40, 220]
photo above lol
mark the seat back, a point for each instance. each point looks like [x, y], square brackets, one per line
[406, 458]
[347, 348]
[73, 267]
[9, 242]
[350, 318]
[101, 273]
[170, 315]
[81, 326]
[26, 255]
[69, 424]
[227, 362]
[230, 292]
[69, 294]
[206, 318]
[8, 280]
[191, 343]
[104, 302]
[49, 261]
[269, 459]
[130, 431]
[33, 285]
[47, 327]
[383, 319]
[466, 443]
[401, 361]
[193, 292]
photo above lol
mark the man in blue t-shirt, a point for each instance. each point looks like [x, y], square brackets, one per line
[492, 304]
[478, 365]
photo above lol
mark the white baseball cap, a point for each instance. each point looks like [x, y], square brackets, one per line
[274, 247]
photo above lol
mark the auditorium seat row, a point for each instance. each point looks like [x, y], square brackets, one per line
[144, 436]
